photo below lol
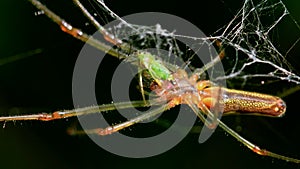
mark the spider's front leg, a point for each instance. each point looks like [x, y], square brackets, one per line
[41, 116]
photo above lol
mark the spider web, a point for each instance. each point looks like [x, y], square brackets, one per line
[252, 42]
[252, 36]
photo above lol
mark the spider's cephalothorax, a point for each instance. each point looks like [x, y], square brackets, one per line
[178, 91]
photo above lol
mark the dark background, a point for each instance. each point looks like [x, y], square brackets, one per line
[42, 82]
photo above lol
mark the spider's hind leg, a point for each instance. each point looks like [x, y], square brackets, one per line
[114, 128]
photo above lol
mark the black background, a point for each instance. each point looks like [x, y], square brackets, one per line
[42, 82]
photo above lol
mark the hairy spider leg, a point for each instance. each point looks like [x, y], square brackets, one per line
[75, 112]
[256, 149]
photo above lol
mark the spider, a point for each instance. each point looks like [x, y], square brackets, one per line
[172, 86]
